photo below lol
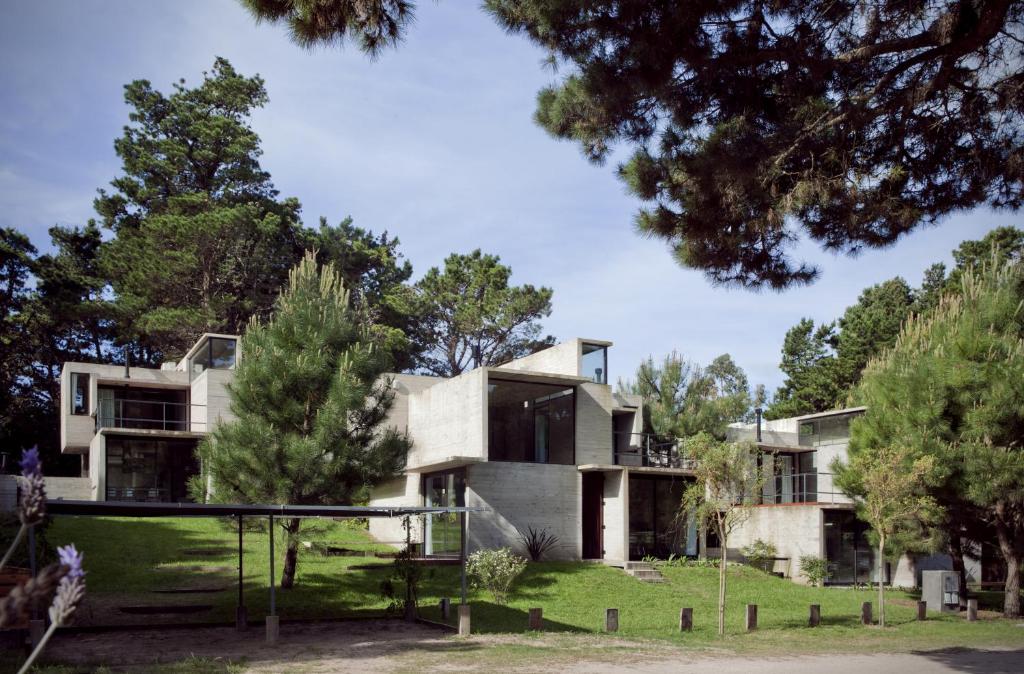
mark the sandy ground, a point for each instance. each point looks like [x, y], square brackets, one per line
[394, 646]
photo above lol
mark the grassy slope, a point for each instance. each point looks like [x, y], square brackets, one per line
[127, 559]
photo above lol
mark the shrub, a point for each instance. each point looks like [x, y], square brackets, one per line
[814, 568]
[537, 542]
[760, 554]
[495, 571]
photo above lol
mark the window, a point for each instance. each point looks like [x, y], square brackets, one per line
[443, 534]
[595, 363]
[79, 393]
[149, 470]
[217, 353]
[531, 422]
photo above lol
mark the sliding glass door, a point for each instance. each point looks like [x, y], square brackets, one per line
[443, 533]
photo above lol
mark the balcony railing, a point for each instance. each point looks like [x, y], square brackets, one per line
[645, 450]
[800, 488]
[150, 415]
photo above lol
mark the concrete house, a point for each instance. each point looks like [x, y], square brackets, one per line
[802, 512]
[136, 428]
[542, 442]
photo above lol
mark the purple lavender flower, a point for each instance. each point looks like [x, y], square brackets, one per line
[71, 558]
[71, 588]
[31, 466]
[33, 496]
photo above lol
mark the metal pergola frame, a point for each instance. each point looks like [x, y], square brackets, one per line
[240, 511]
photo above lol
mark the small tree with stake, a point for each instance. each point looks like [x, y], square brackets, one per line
[889, 481]
[309, 398]
[727, 476]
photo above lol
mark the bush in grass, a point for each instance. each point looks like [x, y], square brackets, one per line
[495, 571]
[760, 554]
[814, 568]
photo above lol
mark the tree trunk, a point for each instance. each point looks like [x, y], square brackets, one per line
[721, 582]
[1013, 553]
[955, 549]
[291, 553]
[881, 575]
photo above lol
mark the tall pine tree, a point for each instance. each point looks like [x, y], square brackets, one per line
[310, 398]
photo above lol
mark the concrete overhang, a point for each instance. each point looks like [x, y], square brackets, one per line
[150, 433]
[447, 463]
[831, 413]
[536, 377]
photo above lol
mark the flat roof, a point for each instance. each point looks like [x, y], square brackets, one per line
[831, 413]
[500, 373]
[142, 509]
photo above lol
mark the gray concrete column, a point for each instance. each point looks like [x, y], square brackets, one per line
[273, 629]
[611, 620]
[463, 620]
[751, 618]
[815, 618]
[865, 613]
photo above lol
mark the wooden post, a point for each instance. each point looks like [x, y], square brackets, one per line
[611, 620]
[972, 610]
[446, 608]
[865, 613]
[536, 619]
[463, 620]
[686, 620]
[922, 610]
[241, 619]
[815, 618]
[751, 621]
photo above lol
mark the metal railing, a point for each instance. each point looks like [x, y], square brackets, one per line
[800, 488]
[148, 415]
[646, 450]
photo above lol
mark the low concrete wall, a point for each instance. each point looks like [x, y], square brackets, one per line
[57, 488]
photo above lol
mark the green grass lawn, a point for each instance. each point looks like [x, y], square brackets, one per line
[128, 559]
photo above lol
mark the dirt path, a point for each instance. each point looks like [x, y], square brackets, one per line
[394, 646]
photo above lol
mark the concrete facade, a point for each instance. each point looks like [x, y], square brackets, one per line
[197, 394]
[447, 421]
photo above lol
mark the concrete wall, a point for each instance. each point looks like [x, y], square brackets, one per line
[561, 358]
[795, 530]
[449, 419]
[521, 495]
[616, 515]
[402, 491]
[594, 424]
[210, 400]
[404, 386]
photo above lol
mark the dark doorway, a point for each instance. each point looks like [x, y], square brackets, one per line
[593, 526]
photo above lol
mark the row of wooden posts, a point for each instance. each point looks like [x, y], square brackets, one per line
[611, 616]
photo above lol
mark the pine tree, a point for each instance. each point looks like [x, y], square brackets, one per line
[952, 387]
[310, 398]
[682, 398]
[473, 317]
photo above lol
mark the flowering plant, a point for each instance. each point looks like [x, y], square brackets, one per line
[495, 571]
[64, 579]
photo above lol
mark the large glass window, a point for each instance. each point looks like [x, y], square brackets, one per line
[789, 477]
[154, 409]
[443, 535]
[79, 393]
[217, 353]
[595, 363]
[850, 556]
[655, 528]
[149, 470]
[531, 422]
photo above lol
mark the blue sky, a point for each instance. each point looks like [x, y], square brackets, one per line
[433, 142]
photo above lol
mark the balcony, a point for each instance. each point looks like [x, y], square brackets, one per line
[150, 415]
[800, 488]
[645, 450]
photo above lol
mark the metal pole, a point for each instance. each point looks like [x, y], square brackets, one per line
[241, 599]
[273, 606]
[462, 553]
